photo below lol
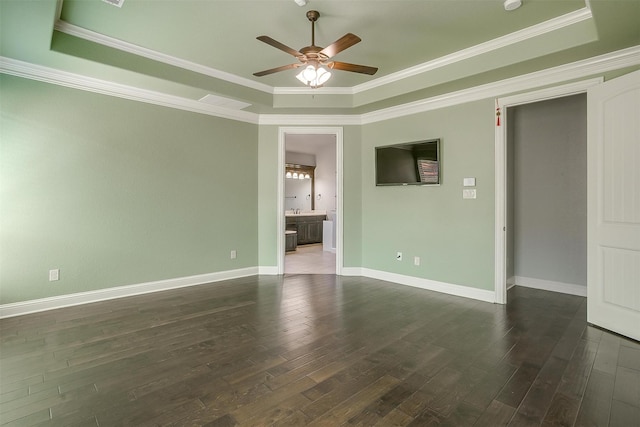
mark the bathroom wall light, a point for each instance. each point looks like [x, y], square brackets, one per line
[293, 171]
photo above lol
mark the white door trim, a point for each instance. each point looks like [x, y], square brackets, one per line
[300, 130]
[500, 268]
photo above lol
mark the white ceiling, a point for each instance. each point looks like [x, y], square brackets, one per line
[309, 143]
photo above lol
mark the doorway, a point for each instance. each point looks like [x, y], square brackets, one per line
[547, 195]
[312, 206]
[505, 268]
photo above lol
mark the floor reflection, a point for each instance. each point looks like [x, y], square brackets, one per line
[310, 259]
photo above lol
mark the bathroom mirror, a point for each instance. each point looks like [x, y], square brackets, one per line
[299, 187]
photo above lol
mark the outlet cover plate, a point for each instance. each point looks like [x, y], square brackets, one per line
[469, 193]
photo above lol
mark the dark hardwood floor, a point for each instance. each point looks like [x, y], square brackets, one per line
[317, 350]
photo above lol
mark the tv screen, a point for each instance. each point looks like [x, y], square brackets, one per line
[413, 163]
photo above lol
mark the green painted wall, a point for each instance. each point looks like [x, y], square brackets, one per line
[453, 237]
[352, 196]
[268, 196]
[115, 192]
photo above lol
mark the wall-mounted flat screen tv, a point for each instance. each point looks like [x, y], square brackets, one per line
[413, 163]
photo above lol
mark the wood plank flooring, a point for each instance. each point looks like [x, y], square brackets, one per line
[317, 350]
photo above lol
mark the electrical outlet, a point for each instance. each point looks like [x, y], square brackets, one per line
[234, 254]
[54, 275]
[416, 260]
[398, 256]
[469, 193]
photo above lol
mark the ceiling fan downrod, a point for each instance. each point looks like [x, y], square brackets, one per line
[313, 16]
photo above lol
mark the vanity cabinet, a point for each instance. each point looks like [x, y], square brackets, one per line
[309, 227]
[290, 240]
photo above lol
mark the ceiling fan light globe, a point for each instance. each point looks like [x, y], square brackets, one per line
[323, 76]
[310, 73]
[300, 76]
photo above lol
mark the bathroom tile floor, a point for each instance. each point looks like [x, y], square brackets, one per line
[310, 259]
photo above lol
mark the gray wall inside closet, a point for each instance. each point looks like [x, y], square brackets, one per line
[547, 190]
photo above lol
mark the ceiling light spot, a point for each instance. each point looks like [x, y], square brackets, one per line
[114, 2]
[220, 101]
[512, 4]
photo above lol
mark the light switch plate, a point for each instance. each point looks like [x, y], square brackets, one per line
[469, 193]
[469, 182]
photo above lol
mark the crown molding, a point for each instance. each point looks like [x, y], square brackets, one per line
[309, 91]
[474, 51]
[83, 33]
[482, 48]
[576, 70]
[92, 36]
[63, 78]
[552, 92]
[310, 119]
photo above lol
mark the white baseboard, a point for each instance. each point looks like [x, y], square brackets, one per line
[549, 285]
[43, 304]
[268, 270]
[432, 285]
[351, 271]
[51, 303]
[511, 282]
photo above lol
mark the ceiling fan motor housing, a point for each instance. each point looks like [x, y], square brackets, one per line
[313, 15]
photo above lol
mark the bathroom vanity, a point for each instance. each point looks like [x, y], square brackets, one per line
[308, 226]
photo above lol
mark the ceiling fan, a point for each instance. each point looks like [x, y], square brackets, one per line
[315, 58]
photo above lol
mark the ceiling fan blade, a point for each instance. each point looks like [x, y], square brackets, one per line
[341, 44]
[268, 40]
[355, 68]
[275, 70]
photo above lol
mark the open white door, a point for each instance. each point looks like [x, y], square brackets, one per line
[613, 211]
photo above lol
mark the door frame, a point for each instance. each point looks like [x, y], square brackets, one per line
[500, 258]
[299, 130]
